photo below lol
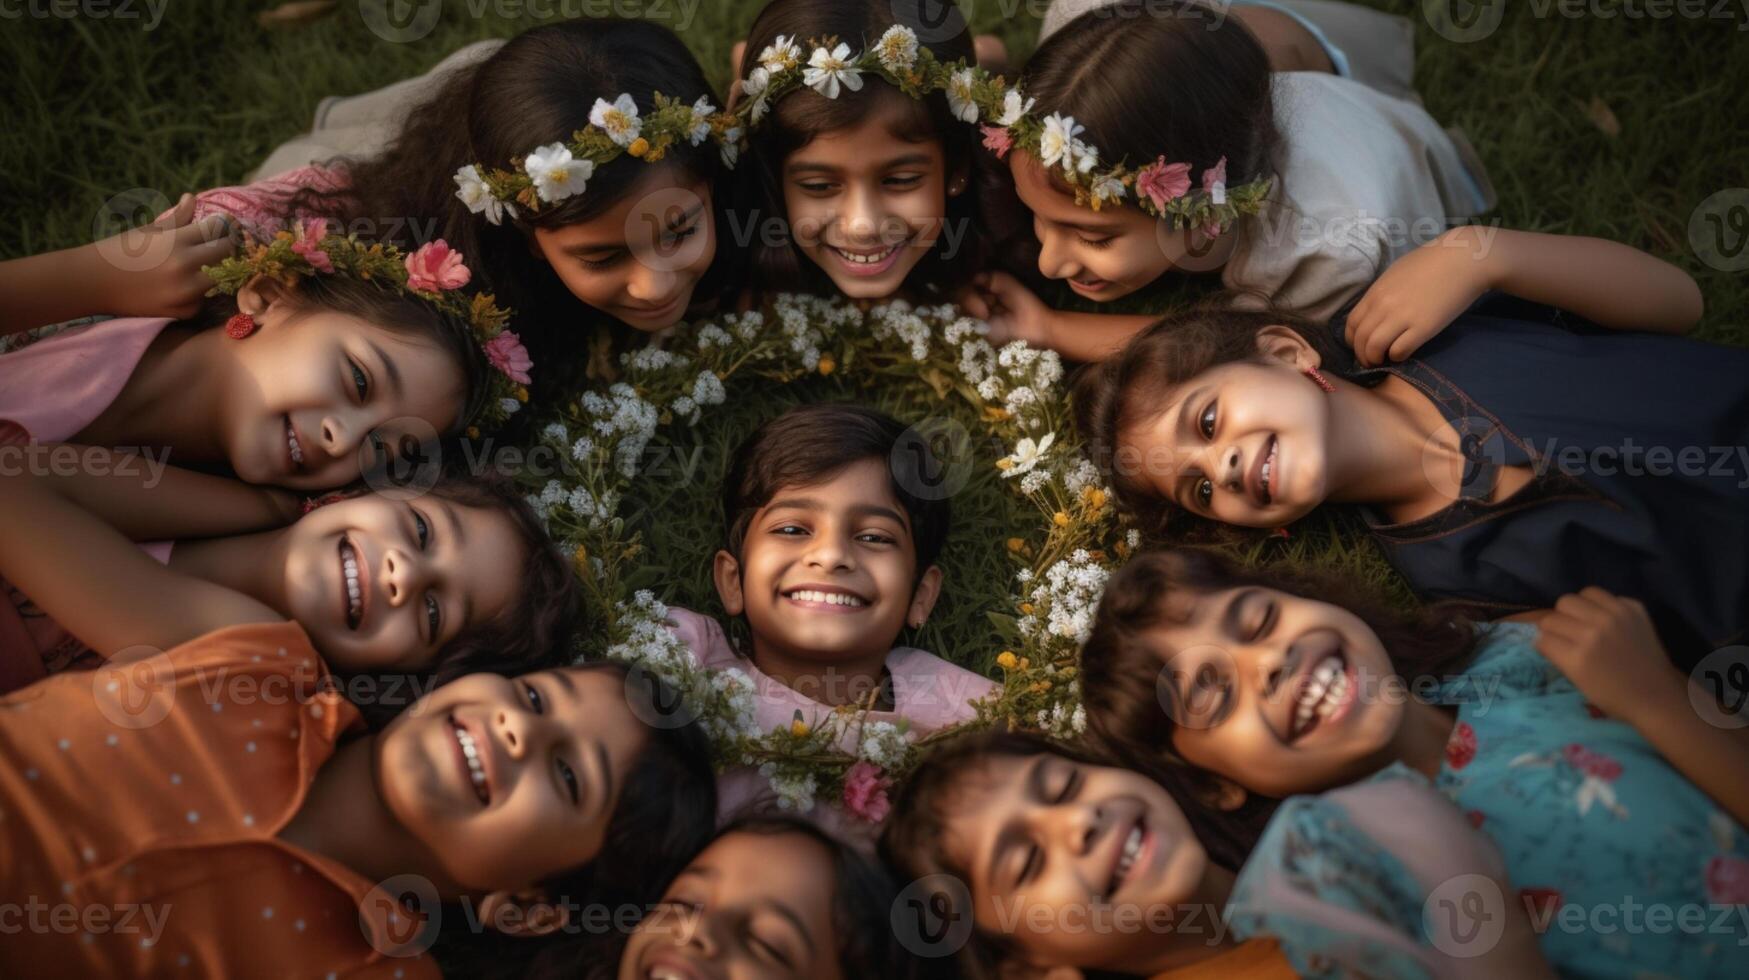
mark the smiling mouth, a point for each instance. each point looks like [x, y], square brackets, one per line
[1324, 694]
[646, 311]
[293, 447]
[351, 584]
[1091, 285]
[1266, 473]
[476, 769]
[869, 263]
[1126, 858]
[817, 597]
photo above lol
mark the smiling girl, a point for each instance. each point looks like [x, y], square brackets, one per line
[1067, 866]
[1515, 456]
[875, 187]
[1603, 777]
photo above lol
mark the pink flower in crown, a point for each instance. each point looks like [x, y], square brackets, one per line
[1214, 181]
[507, 354]
[1727, 880]
[1592, 763]
[436, 267]
[306, 242]
[865, 792]
[998, 140]
[1162, 182]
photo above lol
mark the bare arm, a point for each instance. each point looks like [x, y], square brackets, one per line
[147, 500]
[98, 584]
[1015, 313]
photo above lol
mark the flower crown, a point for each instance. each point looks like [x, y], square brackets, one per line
[551, 173]
[434, 273]
[975, 97]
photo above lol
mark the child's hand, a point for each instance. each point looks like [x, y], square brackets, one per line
[160, 276]
[1011, 309]
[1417, 297]
[1607, 647]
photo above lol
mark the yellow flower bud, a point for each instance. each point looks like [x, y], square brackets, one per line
[1061, 519]
[473, 432]
[1026, 608]
[1005, 464]
[1025, 663]
[639, 147]
[827, 364]
[1094, 497]
[1016, 545]
[522, 394]
[1007, 661]
[798, 728]
[581, 554]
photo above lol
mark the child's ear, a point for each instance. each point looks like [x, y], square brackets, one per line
[726, 572]
[261, 294]
[923, 597]
[526, 913]
[1286, 345]
[1223, 794]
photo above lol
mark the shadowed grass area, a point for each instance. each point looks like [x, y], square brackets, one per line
[1603, 126]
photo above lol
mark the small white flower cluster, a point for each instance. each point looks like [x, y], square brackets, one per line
[549, 497]
[883, 744]
[1062, 722]
[794, 788]
[726, 696]
[1069, 596]
[897, 320]
[799, 318]
[650, 359]
[710, 335]
[625, 419]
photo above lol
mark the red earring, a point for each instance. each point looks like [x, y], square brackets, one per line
[240, 325]
[1319, 379]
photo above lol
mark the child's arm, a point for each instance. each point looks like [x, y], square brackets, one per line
[1607, 647]
[147, 500]
[96, 583]
[149, 271]
[1015, 313]
[1605, 282]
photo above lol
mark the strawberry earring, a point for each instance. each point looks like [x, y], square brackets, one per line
[240, 325]
[1319, 379]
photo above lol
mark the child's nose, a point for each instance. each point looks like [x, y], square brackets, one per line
[1054, 261]
[403, 576]
[1232, 469]
[516, 729]
[650, 284]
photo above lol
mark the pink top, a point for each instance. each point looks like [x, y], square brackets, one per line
[928, 694]
[261, 207]
[49, 392]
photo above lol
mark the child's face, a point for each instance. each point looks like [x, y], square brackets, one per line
[640, 261]
[318, 400]
[1104, 255]
[1050, 848]
[423, 571]
[1245, 443]
[552, 751]
[827, 573]
[865, 205]
[1278, 693]
[749, 907]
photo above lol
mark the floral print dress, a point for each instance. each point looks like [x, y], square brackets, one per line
[1626, 868]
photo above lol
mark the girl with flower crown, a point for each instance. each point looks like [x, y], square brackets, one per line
[583, 166]
[1608, 779]
[1155, 139]
[861, 145]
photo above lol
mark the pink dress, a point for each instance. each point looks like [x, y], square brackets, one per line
[49, 392]
[929, 694]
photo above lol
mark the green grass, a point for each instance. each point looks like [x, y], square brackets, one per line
[95, 107]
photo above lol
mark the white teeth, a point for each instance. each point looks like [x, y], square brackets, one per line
[830, 598]
[1323, 693]
[874, 259]
[291, 441]
[1132, 847]
[1269, 466]
[349, 567]
[471, 752]
[663, 973]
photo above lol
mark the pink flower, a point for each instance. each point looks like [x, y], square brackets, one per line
[998, 140]
[1214, 181]
[1164, 183]
[1461, 747]
[865, 792]
[305, 242]
[507, 354]
[1727, 881]
[436, 267]
[1592, 763]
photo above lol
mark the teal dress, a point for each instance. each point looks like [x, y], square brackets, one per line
[1628, 869]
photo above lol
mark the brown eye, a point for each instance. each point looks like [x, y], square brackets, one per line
[1205, 492]
[1206, 424]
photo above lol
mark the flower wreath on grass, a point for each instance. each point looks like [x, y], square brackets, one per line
[1060, 567]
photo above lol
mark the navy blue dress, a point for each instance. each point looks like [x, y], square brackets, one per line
[1639, 444]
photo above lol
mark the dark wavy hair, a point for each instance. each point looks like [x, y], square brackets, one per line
[801, 116]
[1121, 662]
[1151, 78]
[1130, 388]
[536, 89]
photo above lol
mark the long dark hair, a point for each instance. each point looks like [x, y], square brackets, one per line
[800, 117]
[536, 89]
[1121, 662]
[1129, 389]
[1151, 78]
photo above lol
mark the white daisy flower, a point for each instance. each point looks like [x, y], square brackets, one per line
[828, 71]
[1085, 157]
[555, 174]
[1028, 454]
[1058, 140]
[619, 120]
[781, 54]
[702, 111]
[959, 95]
[472, 191]
[1013, 107]
[757, 86]
[897, 49]
[1108, 190]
